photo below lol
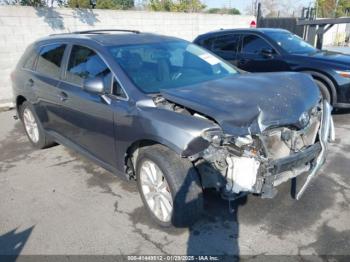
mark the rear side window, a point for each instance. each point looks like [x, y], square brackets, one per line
[254, 44]
[207, 43]
[50, 60]
[84, 63]
[228, 43]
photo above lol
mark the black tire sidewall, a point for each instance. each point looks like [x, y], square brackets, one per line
[166, 160]
[324, 90]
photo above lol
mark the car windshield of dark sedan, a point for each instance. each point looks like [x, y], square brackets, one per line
[156, 66]
[291, 43]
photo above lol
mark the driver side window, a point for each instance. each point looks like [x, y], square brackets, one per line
[84, 63]
[253, 44]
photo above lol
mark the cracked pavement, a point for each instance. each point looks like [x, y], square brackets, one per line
[54, 201]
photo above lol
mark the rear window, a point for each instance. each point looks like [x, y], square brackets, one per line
[50, 60]
[29, 62]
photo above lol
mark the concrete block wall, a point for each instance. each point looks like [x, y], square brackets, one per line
[19, 26]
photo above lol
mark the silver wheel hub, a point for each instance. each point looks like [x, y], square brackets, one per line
[156, 191]
[31, 125]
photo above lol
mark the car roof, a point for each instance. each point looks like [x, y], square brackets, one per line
[249, 30]
[111, 38]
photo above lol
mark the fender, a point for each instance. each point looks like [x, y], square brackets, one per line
[326, 79]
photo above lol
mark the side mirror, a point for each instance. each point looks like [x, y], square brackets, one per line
[94, 85]
[267, 52]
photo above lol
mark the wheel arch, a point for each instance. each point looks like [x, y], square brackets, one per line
[325, 78]
[19, 101]
[131, 154]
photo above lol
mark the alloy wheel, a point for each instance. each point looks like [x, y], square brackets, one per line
[156, 191]
[31, 125]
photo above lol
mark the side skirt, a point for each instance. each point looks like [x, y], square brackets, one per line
[69, 144]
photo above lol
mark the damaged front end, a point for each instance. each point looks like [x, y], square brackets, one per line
[259, 163]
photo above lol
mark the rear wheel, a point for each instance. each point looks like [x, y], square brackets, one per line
[169, 187]
[32, 127]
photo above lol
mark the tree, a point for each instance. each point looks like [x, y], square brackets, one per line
[115, 4]
[102, 4]
[176, 6]
[229, 11]
[332, 8]
[159, 5]
[274, 8]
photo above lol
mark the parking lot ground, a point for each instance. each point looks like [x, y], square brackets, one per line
[54, 201]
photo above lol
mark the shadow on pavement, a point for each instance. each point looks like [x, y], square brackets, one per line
[217, 232]
[12, 243]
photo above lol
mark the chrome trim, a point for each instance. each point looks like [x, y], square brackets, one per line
[326, 133]
[106, 99]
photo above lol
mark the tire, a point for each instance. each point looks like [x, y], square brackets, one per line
[182, 183]
[324, 90]
[37, 138]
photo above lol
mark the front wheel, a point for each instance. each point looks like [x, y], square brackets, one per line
[169, 187]
[324, 90]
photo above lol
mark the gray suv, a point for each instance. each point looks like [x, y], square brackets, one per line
[172, 116]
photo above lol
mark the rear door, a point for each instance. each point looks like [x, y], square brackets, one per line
[86, 118]
[252, 58]
[44, 81]
[226, 46]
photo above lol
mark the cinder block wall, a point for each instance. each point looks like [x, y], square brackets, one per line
[19, 26]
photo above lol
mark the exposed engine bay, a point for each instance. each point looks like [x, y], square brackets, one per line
[258, 163]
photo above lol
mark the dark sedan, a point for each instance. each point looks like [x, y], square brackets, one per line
[272, 50]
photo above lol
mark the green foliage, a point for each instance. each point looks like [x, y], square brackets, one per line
[214, 11]
[176, 5]
[229, 11]
[79, 3]
[329, 8]
[103, 4]
[115, 4]
[36, 3]
[159, 5]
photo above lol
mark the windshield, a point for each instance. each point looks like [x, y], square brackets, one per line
[291, 43]
[156, 66]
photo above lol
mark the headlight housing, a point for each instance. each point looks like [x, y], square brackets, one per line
[343, 73]
[214, 135]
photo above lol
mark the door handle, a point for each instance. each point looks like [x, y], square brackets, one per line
[63, 96]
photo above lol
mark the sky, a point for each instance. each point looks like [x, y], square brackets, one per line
[240, 4]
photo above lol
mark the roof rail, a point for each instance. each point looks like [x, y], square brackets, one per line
[105, 30]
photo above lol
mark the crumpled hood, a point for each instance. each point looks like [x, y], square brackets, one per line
[249, 103]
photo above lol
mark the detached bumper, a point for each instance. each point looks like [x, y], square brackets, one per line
[309, 160]
[326, 134]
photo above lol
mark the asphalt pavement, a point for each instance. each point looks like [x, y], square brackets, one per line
[54, 201]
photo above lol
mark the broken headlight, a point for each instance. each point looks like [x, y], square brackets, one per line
[213, 135]
[243, 140]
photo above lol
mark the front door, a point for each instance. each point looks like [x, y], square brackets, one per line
[255, 58]
[87, 118]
